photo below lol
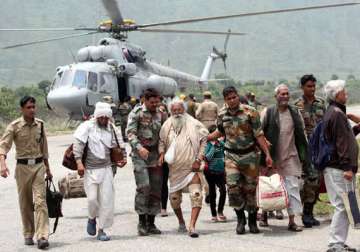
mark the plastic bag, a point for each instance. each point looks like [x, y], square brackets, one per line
[271, 193]
[170, 154]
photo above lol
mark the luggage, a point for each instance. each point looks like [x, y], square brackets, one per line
[69, 158]
[54, 202]
[271, 193]
[116, 153]
[72, 186]
[351, 201]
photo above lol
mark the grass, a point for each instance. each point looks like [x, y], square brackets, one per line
[323, 207]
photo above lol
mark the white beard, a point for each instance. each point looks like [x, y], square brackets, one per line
[178, 121]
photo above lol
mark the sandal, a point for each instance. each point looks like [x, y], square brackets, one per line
[294, 228]
[102, 236]
[193, 234]
[214, 219]
[222, 218]
[182, 228]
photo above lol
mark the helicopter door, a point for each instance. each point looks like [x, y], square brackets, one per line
[122, 88]
[93, 94]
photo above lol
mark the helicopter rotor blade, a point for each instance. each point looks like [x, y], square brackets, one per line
[193, 20]
[188, 31]
[227, 40]
[113, 10]
[48, 40]
[50, 29]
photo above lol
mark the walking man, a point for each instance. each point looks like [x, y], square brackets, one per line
[29, 137]
[143, 129]
[312, 109]
[340, 172]
[241, 126]
[284, 129]
[187, 137]
[98, 135]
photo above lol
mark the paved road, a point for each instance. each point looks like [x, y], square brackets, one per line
[71, 234]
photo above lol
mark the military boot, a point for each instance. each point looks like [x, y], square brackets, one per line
[152, 229]
[241, 221]
[314, 221]
[307, 218]
[252, 222]
[142, 228]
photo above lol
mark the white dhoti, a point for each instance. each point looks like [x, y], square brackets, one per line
[99, 188]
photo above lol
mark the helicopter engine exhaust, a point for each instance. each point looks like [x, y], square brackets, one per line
[164, 85]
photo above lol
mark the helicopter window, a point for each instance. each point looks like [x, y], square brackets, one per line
[92, 81]
[66, 78]
[107, 83]
[80, 79]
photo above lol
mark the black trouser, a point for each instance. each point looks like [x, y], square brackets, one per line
[164, 188]
[216, 180]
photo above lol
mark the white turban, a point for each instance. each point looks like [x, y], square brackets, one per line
[102, 109]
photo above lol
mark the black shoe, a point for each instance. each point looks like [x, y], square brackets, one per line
[252, 222]
[314, 221]
[264, 220]
[29, 241]
[152, 229]
[307, 221]
[241, 222]
[42, 243]
[142, 227]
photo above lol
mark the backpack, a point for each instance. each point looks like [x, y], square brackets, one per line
[320, 150]
[54, 201]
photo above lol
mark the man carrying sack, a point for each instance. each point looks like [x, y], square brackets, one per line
[29, 137]
[100, 137]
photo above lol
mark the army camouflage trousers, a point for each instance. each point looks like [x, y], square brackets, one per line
[30, 180]
[241, 181]
[310, 191]
[148, 187]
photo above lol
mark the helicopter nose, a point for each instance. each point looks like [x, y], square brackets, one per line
[68, 100]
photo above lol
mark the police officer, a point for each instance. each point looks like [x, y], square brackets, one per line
[207, 111]
[29, 137]
[312, 109]
[241, 126]
[143, 133]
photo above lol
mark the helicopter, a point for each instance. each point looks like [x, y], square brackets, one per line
[117, 68]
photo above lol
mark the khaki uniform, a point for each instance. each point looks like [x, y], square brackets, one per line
[30, 142]
[143, 131]
[192, 107]
[312, 114]
[207, 113]
[241, 129]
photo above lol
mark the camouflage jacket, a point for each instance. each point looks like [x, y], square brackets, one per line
[240, 128]
[143, 128]
[311, 113]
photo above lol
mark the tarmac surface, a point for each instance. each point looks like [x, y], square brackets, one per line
[71, 233]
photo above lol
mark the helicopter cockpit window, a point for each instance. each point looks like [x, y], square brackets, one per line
[92, 81]
[66, 78]
[80, 79]
[107, 83]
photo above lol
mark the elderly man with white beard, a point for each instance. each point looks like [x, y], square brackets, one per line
[182, 145]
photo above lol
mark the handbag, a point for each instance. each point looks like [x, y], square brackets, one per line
[72, 186]
[351, 201]
[271, 193]
[116, 153]
[54, 202]
[69, 157]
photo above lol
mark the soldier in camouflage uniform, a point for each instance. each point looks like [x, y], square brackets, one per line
[143, 129]
[123, 110]
[241, 126]
[312, 109]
